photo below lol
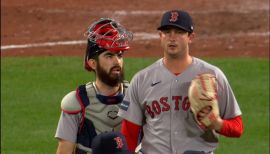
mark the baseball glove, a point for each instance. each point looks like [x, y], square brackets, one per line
[203, 93]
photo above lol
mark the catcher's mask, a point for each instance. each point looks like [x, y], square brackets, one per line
[105, 34]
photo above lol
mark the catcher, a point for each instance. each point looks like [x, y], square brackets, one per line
[92, 108]
[179, 104]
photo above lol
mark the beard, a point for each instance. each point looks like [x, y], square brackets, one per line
[108, 77]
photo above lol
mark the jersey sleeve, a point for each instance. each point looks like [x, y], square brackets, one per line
[67, 127]
[131, 132]
[232, 127]
[69, 119]
[228, 104]
[130, 108]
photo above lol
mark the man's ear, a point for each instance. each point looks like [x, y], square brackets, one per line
[92, 63]
[159, 33]
[191, 37]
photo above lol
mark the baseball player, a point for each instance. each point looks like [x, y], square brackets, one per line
[156, 109]
[92, 108]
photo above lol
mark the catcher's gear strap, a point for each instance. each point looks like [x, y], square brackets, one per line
[81, 95]
[85, 136]
[125, 86]
[232, 127]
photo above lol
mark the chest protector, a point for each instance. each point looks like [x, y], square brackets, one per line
[98, 114]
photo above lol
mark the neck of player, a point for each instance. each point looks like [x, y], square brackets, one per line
[105, 89]
[177, 65]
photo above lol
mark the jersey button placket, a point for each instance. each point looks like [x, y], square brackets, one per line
[175, 133]
[172, 122]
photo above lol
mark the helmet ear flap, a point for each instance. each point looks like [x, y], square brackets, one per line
[92, 50]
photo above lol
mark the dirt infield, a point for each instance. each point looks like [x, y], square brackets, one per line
[223, 28]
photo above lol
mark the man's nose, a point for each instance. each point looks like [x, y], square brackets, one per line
[172, 35]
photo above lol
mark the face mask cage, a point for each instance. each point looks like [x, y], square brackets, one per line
[109, 34]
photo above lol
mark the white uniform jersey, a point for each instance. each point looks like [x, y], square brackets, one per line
[158, 101]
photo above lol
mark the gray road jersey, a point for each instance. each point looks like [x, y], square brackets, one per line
[103, 116]
[158, 100]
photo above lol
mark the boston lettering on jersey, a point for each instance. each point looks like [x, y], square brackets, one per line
[158, 106]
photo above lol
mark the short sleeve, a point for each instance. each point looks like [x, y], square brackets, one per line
[130, 108]
[67, 127]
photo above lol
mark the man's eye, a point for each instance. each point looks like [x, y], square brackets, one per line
[166, 31]
[108, 56]
[180, 32]
[120, 55]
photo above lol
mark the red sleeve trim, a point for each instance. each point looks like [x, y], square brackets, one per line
[71, 112]
[131, 132]
[232, 127]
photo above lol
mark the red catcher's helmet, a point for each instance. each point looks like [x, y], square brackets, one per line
[106, 34]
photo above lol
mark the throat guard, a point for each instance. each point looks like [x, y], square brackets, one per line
[110, 100]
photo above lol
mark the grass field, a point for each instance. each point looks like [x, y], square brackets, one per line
[31, 90]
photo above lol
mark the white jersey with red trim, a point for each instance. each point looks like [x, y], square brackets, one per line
[158, 101]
